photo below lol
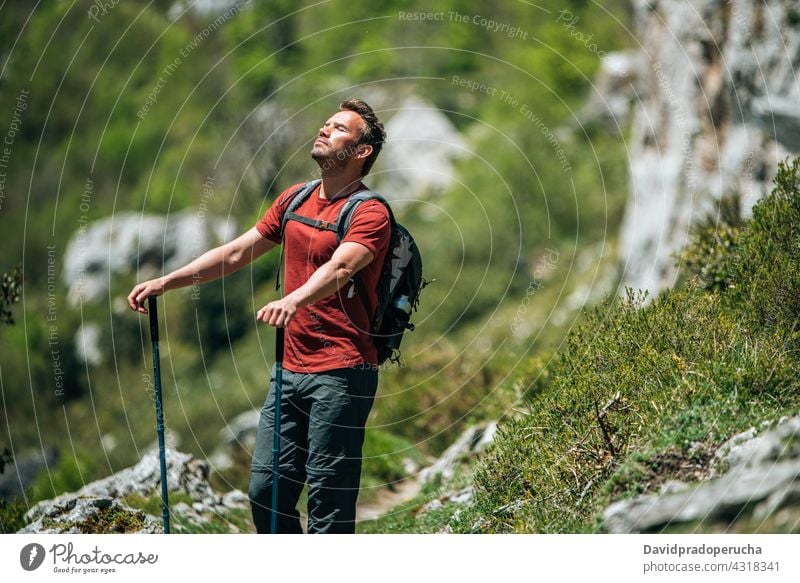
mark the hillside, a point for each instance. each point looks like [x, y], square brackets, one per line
[692, 398]
[544, 158]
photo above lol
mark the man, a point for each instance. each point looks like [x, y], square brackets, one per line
[330, 364]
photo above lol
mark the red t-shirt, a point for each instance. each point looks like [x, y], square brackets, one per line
[333, 332]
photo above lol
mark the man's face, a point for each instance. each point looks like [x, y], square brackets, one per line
[337, 138]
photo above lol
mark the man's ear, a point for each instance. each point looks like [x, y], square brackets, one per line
[363, 151]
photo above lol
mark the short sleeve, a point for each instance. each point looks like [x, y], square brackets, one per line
[269, 226]
[370, 226]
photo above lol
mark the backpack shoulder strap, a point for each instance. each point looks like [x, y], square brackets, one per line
[298, 197]
[348, 211]
[343, 224]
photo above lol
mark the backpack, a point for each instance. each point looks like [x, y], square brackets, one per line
[400, 281]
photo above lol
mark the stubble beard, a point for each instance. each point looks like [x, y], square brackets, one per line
[330, 163]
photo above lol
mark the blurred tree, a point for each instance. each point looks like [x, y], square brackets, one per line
[10, 294]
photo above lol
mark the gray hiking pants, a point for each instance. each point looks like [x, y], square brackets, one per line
[322, 433]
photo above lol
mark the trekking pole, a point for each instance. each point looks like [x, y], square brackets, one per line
[276, 440]
[151, 304]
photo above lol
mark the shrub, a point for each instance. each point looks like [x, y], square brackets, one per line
[765, 272]
[709, 255]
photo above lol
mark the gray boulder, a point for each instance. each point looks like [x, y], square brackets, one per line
[91, 515]
[756, 474]
[128, 241]
[418, 157]
[472, 442]
[185, 475]
[239, 432]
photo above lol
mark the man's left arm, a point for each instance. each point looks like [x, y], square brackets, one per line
[348, 259]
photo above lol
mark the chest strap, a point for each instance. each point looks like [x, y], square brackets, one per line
[316, 223]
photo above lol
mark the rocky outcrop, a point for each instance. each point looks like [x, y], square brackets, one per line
[716, 106]
[754, 476]
[128, 241]
[470, 443]
[105, 503]
[90, 515]
[239, 434]
[418, 158]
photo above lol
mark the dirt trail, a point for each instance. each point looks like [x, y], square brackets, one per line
[388, 498]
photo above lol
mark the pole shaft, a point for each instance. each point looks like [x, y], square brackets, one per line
[276, 439]
[162, 453]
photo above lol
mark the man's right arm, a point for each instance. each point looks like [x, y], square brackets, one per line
[213, 264]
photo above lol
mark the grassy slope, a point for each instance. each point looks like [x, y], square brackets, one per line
[643, 393]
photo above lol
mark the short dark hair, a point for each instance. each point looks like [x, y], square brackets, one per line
[373, 132]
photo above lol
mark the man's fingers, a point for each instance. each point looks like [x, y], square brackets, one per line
[132, 298]
[274, 315]
[137, 297]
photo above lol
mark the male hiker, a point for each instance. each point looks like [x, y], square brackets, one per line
[330, 365]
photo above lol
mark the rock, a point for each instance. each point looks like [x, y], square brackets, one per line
[463, 496]
[472, 442]
[762, 476]
[185, 474]
[203, 8]
[235, 499]
[410, 467]
[777, 501]
[673, 487]
[87, 344]
[109, 442]
[750, 450]
[723, 499]
[91, 515]
[417, 158]
[718, 108]
[434, 504]
[240, 432]
[616, 86]
[127, 241]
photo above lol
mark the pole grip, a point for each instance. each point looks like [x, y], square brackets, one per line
[279, 345]
[153, 310]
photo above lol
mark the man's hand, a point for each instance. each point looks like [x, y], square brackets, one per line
[278, 313]
[141, 291]
[346, 261]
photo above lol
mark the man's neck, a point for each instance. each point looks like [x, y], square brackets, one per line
[339, 185]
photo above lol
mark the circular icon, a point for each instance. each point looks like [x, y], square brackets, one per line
[31, 556]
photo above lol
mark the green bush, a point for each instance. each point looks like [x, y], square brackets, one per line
[708, 256]
[12, 515]
[765, 272]
[71, 473]
[10, 291]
